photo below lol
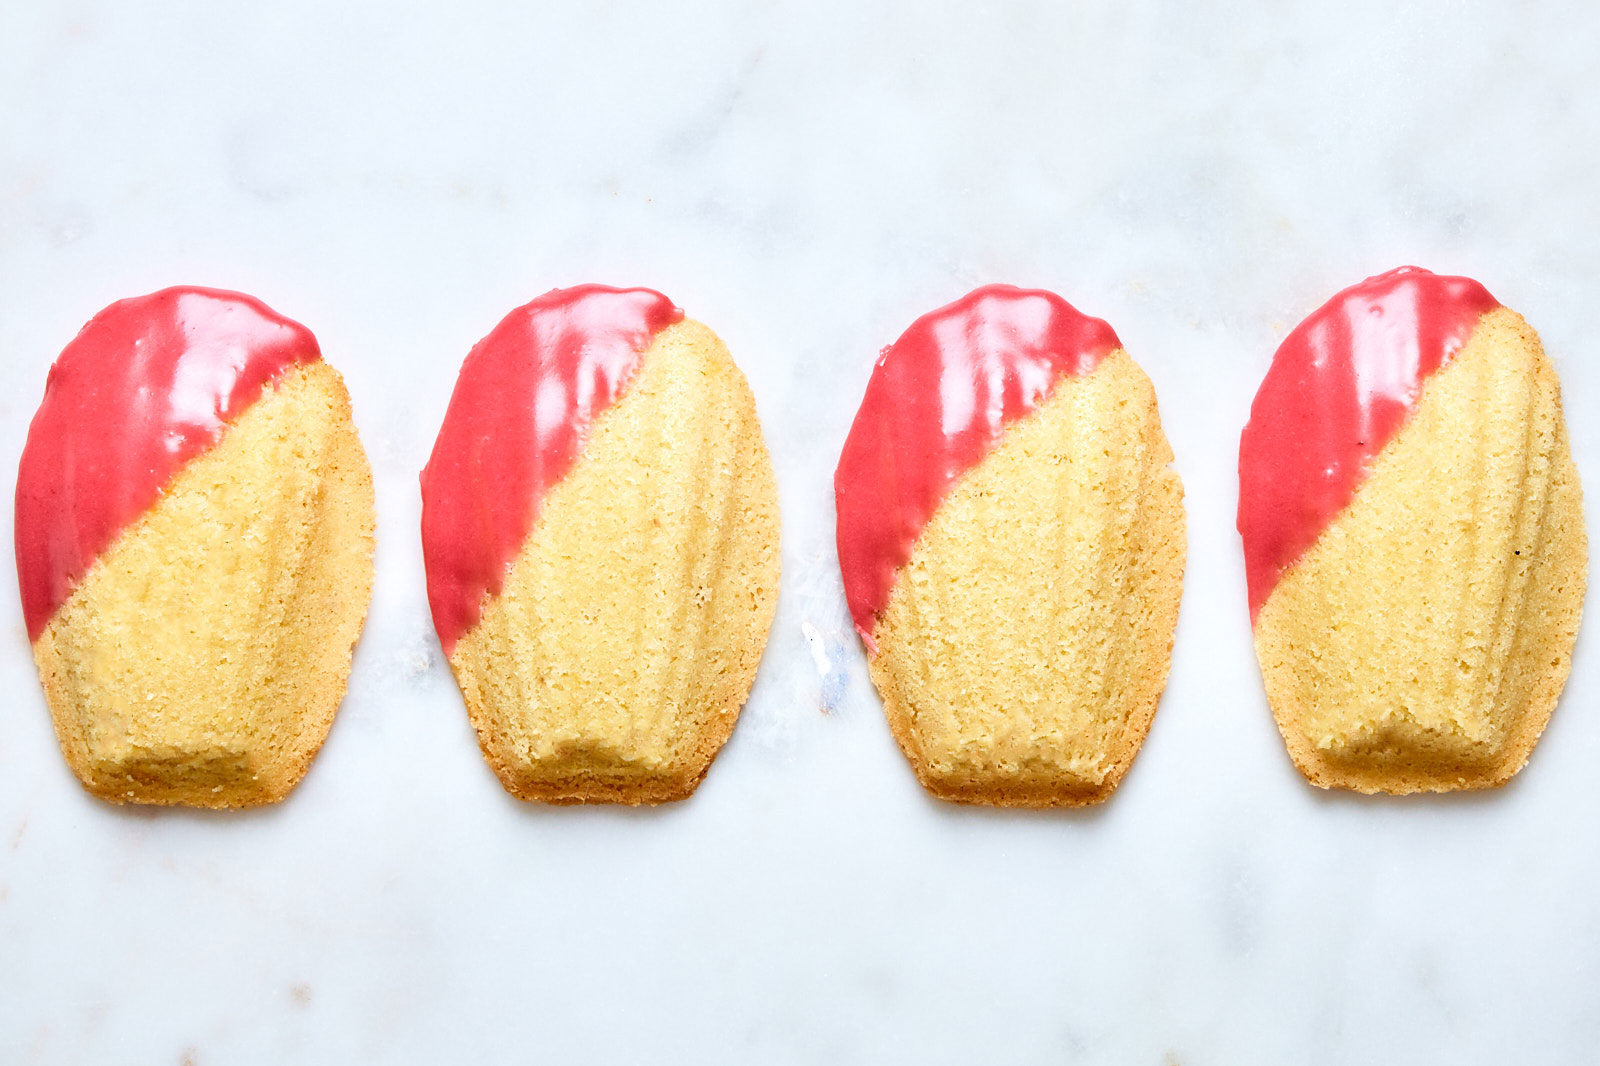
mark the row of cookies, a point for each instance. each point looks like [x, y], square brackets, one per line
[194, 532]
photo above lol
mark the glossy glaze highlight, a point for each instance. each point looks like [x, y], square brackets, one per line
[520, 413]
[938, 401]
[148, 384]
[1339, 388]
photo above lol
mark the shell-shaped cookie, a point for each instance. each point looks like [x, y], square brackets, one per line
[1420, 641]
[194, 541]
[610, 660]
[1027, 630]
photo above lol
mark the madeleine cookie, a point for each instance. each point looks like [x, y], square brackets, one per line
[600, 526]
[1413, 537]
[194, 548]
[1012, 543]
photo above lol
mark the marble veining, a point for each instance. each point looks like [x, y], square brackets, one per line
[807, 179]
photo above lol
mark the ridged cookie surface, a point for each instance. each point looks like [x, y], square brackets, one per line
[1421, 638]
[194, 538]
[1022, 637]
[611, 657]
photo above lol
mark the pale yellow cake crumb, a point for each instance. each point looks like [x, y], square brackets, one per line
[201, 659]
[1420, 644]
[615, 660]
[1027, 639]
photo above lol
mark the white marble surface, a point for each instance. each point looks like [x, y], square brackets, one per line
[807, 178]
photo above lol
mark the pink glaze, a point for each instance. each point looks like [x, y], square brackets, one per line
[146, 386]
[938, 401]
[1340, 387]
[520, 414]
